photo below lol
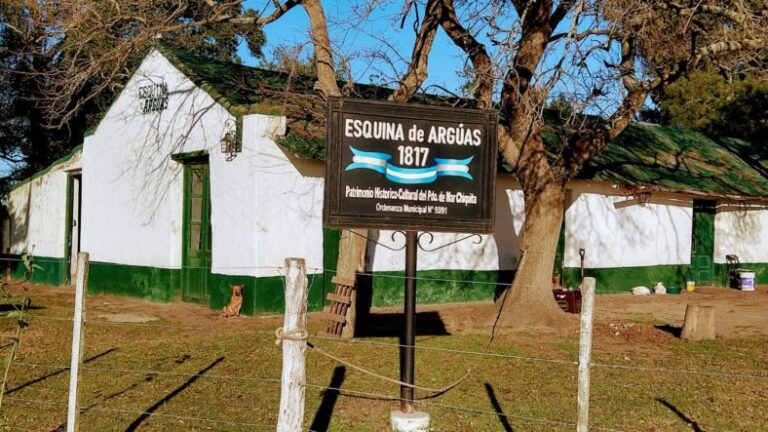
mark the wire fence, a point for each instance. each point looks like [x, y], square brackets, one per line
[57, 317]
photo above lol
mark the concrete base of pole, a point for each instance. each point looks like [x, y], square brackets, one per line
[414, 422]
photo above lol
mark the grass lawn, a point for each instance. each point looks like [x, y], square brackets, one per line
[190, 370]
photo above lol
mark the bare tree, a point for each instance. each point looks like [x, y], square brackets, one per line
[605, 56]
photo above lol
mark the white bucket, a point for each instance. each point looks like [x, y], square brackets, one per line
[747, 280]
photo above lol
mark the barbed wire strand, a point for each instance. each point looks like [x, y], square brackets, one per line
[152, 372]
[747, 374]
[751, 374]
[376, 396]
[144, 413]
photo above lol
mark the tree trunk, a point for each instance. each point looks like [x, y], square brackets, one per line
[699, 323]
[529, 302]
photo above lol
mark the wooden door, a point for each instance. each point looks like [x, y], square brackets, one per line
[197, 233]
[703, 242]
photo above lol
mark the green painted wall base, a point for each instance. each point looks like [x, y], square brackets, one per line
[611, 280]
[261, 295]
[55, 271]
[150, 283]
[265, 294]
[623, 279]
[760, 269]
[440, 286]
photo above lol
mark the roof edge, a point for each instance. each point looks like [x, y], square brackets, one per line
[62, 160]
[234, 109]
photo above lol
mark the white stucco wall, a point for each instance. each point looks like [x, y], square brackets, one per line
[656, 233]
[263, 207]
[489, 252]
[287, 219]
[132, 190]
[741, 230]
[38, 210]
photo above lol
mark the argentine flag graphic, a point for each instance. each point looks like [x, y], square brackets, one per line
[381, 163]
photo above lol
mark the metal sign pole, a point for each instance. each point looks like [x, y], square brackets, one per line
[408, 351]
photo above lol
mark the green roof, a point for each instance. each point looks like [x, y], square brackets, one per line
[648, 156]
[677, 159]
[245, 90]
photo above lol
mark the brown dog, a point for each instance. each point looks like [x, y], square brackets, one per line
[235, 303]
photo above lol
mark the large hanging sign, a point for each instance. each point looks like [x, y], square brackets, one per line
[410, 167]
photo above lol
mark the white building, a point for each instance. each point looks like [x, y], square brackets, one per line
[166, 214]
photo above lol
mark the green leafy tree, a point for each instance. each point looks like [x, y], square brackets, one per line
[708, 101]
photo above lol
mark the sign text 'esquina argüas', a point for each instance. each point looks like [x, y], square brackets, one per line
[410, 167]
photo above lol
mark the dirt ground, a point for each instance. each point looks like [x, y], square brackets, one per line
[738, 313]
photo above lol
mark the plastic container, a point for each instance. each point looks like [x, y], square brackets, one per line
[690, 286]
[673, 290]
[746, 280]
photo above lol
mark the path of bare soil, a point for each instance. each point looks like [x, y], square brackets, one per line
[738, 313]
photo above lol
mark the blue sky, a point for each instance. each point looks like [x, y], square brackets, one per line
[353, 38]
[293, 30]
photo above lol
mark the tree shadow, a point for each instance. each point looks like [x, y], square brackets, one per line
[149, 411]
[330, 395]
[497, 408]
[58, 372]
[673, 330]
[504, 281]
[147, 378]
[689, 421]
[391, 325]
[9, 307]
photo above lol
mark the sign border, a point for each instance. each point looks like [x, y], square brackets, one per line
[332, 218]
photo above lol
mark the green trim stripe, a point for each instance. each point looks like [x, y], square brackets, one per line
[54, 270]
[440, 286]
[261, 294]
[613, 280]
[623, 279]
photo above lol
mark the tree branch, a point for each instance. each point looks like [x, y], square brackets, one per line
[417, 69]
[326, 75]
[237, 20]
[476, 51]
[722, 47]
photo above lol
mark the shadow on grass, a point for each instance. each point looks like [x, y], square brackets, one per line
[9, 307]
[147, 378]
[391, 325]
[149, 411]
[689, 421]
[58, 372]
[497, 408]
[673, 330]
[330, 395]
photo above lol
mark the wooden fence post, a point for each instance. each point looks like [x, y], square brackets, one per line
[293, 335]
[81, 287]
[585, 351]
